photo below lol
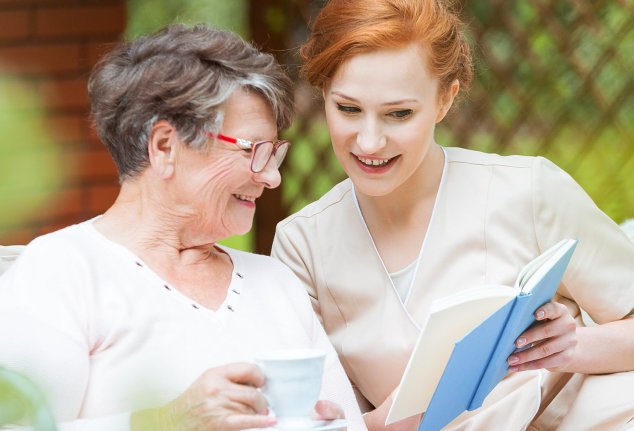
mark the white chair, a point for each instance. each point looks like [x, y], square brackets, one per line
[8, 254]
[19, 397]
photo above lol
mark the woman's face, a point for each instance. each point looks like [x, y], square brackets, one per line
[381, 108]
[217, 186]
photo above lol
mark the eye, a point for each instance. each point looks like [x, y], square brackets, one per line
[347, 109]
[401, 114]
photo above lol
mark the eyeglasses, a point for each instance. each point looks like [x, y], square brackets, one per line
[261, 151]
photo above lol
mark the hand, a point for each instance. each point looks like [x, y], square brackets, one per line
[327, 411]
[552, 341]
[221, 399]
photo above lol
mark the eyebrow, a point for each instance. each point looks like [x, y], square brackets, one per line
[395, 102]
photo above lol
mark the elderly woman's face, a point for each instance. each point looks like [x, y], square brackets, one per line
[218, 186]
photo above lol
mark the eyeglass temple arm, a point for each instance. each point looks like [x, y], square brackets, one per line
[242, 143]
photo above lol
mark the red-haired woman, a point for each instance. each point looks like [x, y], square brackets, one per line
[415, 222]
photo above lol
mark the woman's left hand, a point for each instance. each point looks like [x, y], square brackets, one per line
[552, 341]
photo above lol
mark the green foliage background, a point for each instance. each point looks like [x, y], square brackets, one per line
[146, 16]
[553, 78]
[29, 160]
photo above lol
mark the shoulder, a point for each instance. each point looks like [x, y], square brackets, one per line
[67, 244]
[519, 175]
[336, 198]
[52, 270]
[261, 266]
[272, 280]
[462, 156]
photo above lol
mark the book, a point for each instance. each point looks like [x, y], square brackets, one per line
[461, 352]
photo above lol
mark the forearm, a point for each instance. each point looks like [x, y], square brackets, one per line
[606, 348]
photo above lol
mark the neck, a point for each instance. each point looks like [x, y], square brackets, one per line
[403, 206]
[150, 227]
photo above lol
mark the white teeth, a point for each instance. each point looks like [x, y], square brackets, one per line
[245, 198]
[373, 162]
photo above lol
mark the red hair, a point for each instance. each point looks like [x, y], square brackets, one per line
[345, 28]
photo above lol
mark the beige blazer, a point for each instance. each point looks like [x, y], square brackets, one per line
[493, 214]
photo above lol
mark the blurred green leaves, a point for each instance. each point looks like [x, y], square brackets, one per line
[147, 16]
[22, 402]
[29, 158]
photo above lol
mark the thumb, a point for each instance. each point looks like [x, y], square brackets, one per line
[327, 410]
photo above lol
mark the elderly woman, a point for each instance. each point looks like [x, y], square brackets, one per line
[137, 319]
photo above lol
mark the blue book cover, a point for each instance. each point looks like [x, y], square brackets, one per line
[478, 360]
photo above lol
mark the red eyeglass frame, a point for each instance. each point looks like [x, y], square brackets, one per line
[250, 145]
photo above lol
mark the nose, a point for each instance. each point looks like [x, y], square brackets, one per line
[370, 138]
[270, 175]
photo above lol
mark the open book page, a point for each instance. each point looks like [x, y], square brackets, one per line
[450, 319]
[535, 269]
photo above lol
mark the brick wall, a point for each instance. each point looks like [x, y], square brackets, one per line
[53, 45]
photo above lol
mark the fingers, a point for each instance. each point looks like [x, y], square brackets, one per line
[550, 343]
[551, 310]
[555, 352]
[236, 383]
[242, 372]
[555, 321]
[223, 398]
[248, 398]
[327, 410]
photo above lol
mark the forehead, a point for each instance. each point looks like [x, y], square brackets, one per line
[385, 73]
[248, 116]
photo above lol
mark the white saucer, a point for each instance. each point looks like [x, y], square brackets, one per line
[314, 426]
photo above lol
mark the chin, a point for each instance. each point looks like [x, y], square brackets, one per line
[371, 188]
[243, 229]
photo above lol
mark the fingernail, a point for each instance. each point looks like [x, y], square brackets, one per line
[271, 421]
[540, 314]
[520, 342]
[513, 360]
[513, 369]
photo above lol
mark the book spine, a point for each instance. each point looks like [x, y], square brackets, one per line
[477, 397]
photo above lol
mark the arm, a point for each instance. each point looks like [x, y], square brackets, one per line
[288, 252]
[600, 279]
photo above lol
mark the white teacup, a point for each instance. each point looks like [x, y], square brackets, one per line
[293, 382]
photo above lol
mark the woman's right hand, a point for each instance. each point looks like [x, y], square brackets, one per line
[222, 399]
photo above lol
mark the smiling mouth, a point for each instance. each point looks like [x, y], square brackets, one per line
[245, 198]
[374, 163]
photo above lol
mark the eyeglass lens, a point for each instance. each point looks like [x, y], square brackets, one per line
[262, 152]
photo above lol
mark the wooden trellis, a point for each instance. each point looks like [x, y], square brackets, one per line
[553, 78]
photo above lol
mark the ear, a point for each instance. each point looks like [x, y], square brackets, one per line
[162, 147]
[447, 99]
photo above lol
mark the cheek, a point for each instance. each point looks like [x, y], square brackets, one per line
[220, 177]
[341, 129]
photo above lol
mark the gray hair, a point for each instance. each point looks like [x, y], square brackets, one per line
[181, 75]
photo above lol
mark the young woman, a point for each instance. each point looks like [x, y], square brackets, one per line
[415, 222]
